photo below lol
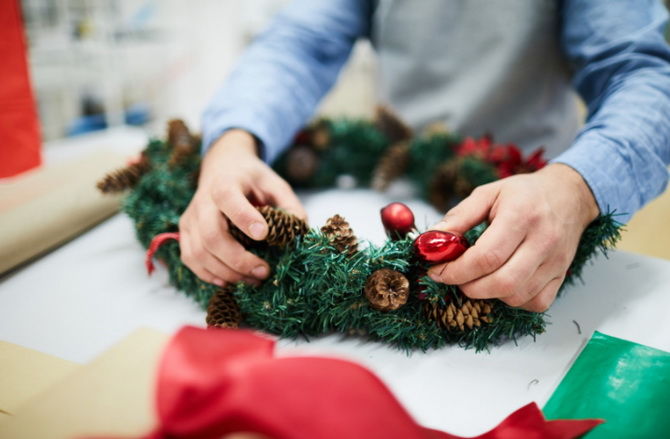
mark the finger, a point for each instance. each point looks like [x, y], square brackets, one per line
[520, 277]
[543, 300]
[194, 264]
[231, 201]
[470, 211]
[491, 251]
[232, 254]
[226, 253]
[282, 195]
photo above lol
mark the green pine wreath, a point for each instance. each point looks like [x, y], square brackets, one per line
[317, 286]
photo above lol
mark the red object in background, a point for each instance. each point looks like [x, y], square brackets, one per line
[20, 147]
[218, 382]
[398, 220]
[436, 246]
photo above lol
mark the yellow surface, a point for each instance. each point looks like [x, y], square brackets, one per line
[110, 397]
[648, 233]
[25, 373]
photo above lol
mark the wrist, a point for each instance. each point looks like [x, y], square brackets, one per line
[586, 203]
[236, 140]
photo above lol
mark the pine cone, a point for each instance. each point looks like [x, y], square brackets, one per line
[387, 289]
[448, 184]
[341, 235]
[283, 228]
[223, 311]
[320, 135]
[392, 165]
[471, 314]
[124, 178]
[301, 163]
[391, 125]
[179, 135]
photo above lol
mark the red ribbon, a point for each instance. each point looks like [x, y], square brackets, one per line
[154, 246]
[214, 383]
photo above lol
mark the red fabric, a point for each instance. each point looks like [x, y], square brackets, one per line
[218, 382]
[154, 246]
[20, 148]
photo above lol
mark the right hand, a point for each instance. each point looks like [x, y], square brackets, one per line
[231, 174]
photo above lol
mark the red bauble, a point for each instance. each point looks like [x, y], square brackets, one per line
[436, 247]
[398, 220]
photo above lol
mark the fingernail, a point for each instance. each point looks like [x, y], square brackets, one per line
[260, 272]
[256, 231]
[218, 282]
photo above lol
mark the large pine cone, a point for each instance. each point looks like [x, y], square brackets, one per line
[387, 289]
[392, 165]
[223, 311]
[283, 228]
[341, 235]
[391, 125]
[184, 144]
[448, 185]
[124, 178]
[472, 313]
[179, 135]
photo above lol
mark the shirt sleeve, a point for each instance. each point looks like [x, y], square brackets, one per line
[280, 79]
[622, 71]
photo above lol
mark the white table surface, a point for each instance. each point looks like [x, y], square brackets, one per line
[84, 297]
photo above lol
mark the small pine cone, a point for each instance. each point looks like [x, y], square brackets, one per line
[179, 135]
[391, 125]
[447, 184]
[301, 163]
[386, 289]
[320, 135]
[341, 235]
[472, 313]
[124, 178]
[223, 311]
[392, 165]
[283, 228]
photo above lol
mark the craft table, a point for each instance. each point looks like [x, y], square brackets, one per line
[84, 297]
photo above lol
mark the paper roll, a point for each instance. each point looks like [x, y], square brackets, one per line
[45, 208]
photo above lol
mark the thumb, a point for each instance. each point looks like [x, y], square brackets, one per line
[470, 211]
[283, 196]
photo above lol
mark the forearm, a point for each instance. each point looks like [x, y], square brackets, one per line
[281, 78]
[622, 69]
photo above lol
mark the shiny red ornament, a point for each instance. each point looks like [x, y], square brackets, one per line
[398, 220]
[436, 246]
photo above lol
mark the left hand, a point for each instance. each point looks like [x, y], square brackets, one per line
[535, 224]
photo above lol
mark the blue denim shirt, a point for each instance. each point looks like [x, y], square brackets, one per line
[621, 66]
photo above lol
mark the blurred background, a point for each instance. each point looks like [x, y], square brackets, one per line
[96, 64]
[100, 63]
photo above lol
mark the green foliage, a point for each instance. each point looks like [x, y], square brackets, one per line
[315, 289]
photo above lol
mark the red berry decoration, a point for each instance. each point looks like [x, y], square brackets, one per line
[436, 246]
[398, 220]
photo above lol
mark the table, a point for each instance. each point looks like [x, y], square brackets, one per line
[82, 298]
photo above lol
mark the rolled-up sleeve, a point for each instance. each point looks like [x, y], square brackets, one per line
[280, 79]
[622, 71]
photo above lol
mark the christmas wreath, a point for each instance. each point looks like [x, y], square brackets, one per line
[323, 280]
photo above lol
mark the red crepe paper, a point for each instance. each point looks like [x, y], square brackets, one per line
[219, 382]
[154, 246]
[21, 143]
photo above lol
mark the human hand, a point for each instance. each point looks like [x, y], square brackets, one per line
[230, 176]
[535, 224]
